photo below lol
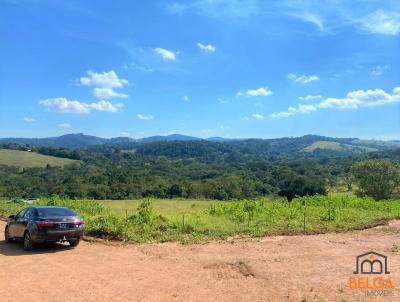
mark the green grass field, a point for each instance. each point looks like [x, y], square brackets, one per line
[166, 207]
[199, 220]
[26, 159]
[326, 145]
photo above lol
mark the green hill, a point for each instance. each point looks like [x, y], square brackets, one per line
[31, 159]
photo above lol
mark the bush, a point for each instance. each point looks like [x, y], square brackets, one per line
[377, 178]
[293, 185]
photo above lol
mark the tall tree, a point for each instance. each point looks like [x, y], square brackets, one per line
[377, 178]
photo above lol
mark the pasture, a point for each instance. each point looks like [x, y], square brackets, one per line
[26, 159]
[166, 207]
[335, 146]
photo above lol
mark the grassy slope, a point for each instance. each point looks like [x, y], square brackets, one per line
[30, 159]
[334, 146]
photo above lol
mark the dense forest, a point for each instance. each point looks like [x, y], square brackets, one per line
[188, 169]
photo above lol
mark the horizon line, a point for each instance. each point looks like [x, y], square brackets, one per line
[205, 138]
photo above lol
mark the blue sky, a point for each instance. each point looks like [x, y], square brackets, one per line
[228, 68]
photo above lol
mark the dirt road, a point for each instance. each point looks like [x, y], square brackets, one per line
[282, 268]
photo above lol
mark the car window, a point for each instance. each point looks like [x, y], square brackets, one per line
[28, 213]
[20, 214]
[55, 212]
[34, 213]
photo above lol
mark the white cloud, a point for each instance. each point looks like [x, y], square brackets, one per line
[303, 79]
[185, 98]
[379, 70]
[108, 79]
[257, 116]
[166, 54]
[239, 93]
[330, 16]
[280, 114]
[104, 84]
[294, 110]
[65, 125]
[246, 118]
[302, 109]
[312, 18]
[262, 91]
[29, 119]
[105, 106]
[108, 93]
[71, 106]
[206, 48]
[145, 117]
[64, 105]
[310, 97]
[125, 133]
[353, 100]
[363, 98]
[381, 22]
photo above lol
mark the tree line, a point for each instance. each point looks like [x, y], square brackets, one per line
[222, 174]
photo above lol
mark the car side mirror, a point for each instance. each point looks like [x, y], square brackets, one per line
[11, 216]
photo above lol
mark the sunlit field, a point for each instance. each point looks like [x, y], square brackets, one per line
[193, 220]
[166, 207]
[25, 159]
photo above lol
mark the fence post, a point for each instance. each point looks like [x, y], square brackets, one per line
[304, 217]
[126, 214]
[183, 221]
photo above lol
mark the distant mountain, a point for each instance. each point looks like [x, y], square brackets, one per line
[377, 143]
[168, 138]
[288, 147]
[72, 141]
[79, 140]
[177, 144]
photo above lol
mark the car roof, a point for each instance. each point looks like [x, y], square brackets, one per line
[49, 207]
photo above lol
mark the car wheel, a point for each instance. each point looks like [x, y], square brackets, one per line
[29, 245]
[74, 243]
[7, 237]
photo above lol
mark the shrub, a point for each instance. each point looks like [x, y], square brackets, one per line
[377, 178]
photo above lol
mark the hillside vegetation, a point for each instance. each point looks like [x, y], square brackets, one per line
[200, 169]
[26, 159]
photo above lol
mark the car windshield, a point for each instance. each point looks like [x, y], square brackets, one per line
[54, 212]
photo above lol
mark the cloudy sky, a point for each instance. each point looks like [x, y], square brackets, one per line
[230, 68]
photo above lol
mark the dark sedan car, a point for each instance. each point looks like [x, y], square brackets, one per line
[44, 224]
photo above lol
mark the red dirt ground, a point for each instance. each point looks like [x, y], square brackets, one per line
[280, 268]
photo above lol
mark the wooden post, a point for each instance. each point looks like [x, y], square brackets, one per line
[183, 221]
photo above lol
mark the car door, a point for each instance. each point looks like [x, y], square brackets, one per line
[13, 224]
[22, 222]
